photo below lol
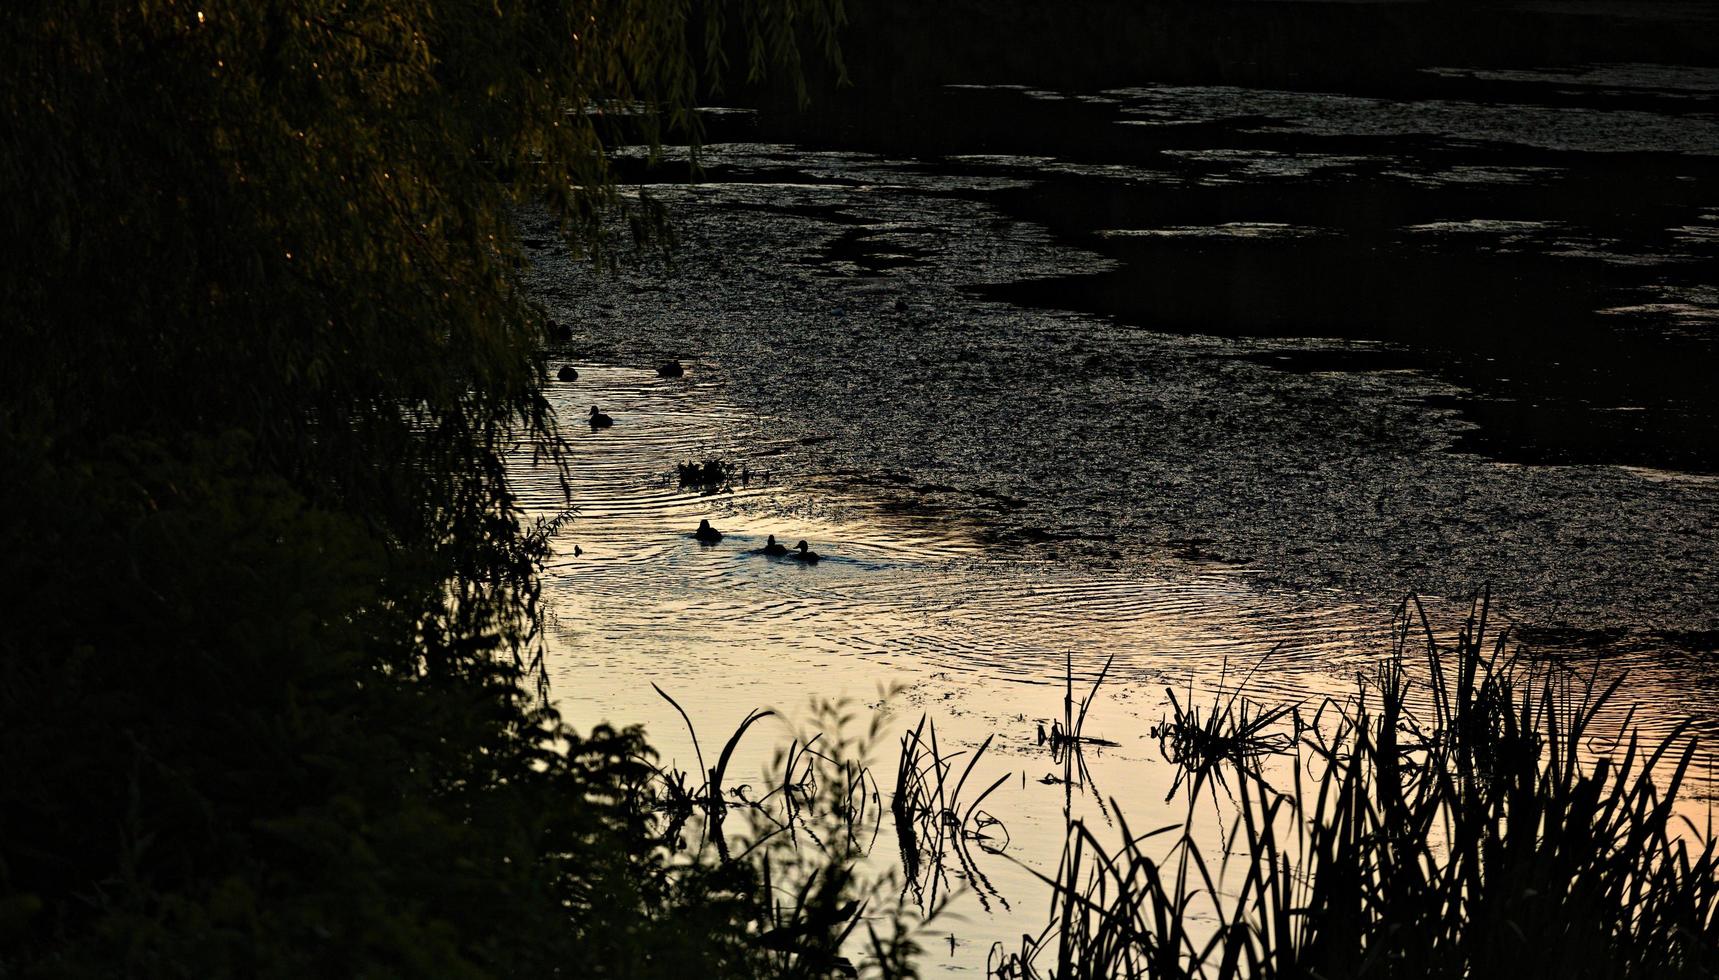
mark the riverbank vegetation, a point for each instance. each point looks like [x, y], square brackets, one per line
[1488, 824]
[268, 696]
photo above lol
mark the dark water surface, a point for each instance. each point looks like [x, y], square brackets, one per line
[1356, 343]
[1174, 373]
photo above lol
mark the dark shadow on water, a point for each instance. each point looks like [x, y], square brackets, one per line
[1550, 377]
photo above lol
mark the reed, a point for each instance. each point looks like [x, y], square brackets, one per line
[1480, 838]
[934, 823]
[811, 832]
[800, 841]
[1069, 731]
[829, 792]
[680, 799]
[1235, 731]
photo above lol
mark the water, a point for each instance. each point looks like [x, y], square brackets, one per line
[1192, 374]
[904, 614]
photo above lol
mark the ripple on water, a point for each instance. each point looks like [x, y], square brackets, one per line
[979, 640]
[896, 588]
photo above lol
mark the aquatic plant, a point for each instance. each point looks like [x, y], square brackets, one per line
[1485, 842]
[851, 796]
[1234, 730]
[932, 822]
[708, 797]
[709, 474]
[1069, 731]
[807, 832]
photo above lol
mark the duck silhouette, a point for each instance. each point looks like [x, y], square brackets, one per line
[707, 534]
[804, 554]
[568, 373]
[772, 549]
[599, 420]
[670, 369]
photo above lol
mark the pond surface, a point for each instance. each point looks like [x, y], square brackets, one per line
[1178, 375]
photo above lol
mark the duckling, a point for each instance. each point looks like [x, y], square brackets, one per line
[568, 373]
[805, 554]
[670, 369]
[599, 420]
[707, 534]
[772, 549]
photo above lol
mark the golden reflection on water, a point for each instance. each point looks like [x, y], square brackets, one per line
[911, 602]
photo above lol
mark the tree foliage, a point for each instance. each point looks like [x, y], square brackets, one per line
[294, 217]
[260, 702]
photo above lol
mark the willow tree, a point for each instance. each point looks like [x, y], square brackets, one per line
[265, 347]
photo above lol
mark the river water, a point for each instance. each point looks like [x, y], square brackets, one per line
[1178, 375]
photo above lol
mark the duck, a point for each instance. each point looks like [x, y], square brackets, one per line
[599, 420]
[559, 333]
[568, 373]
[773, 549]
[670, 369]
[707, 534]
[803, 553]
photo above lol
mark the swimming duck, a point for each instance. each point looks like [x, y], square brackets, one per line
[706, 533]
[559, 333]
[805, 554]
[568, 373]
[773, 549]
[599, 420]
[670, 369]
